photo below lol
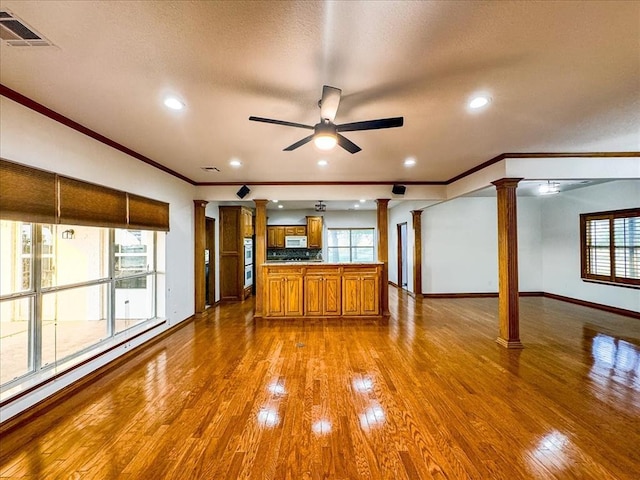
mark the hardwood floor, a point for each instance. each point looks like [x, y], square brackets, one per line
[428, 394]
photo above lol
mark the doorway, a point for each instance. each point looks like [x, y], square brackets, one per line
[210, 261]
[403, 270]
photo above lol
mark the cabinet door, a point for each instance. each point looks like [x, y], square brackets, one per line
[370, 293]
[301, 230]
[314, 232]
[351, 295]
[331, 296]
[313, 295]
[293, 296]
[289, 230]
[271, 237]
[279, 237]
[275, 296]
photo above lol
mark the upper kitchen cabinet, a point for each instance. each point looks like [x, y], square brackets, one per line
[275, 237]
[247, 223]
[314, 232]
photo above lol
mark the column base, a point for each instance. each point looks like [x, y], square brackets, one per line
[515, 344]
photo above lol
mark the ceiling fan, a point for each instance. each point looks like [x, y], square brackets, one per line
[326, 133]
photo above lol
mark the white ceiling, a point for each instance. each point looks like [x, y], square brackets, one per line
[563, 76]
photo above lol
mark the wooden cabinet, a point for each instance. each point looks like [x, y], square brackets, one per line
[283, 292]
[295, 230]
[322, 292]
[275, 237]
[233, 230]
[314, 232]
[360, 291]
[247, 223]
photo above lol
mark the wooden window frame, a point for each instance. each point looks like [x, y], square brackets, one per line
[612, 278]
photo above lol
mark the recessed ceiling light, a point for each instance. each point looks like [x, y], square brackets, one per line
[275, 201]
[323, 163]
[235, 163]
[479, 101]
[357, 205]
[410, 162]
[173, 103]
[362, 200]
[280, 206]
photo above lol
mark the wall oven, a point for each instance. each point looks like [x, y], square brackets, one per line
[248, 251]
[248, 276]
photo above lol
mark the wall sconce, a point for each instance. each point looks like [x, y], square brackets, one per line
[68, 234]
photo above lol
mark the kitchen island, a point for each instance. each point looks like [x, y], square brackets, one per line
[318, 289]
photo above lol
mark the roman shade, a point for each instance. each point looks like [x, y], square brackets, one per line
[145, 213]
[27, 194]
[83, 203]
[32, 195]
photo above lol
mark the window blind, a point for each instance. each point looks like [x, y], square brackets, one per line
[27, 194]
[145, 213]
[32, 195]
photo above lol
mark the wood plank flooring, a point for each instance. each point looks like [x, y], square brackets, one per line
[426, 394]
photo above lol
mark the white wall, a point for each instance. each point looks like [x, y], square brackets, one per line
[561, 241]
[460, 246]
[32, 139]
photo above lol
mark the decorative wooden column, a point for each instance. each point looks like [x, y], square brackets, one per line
[417, 252]
[260, 253]
[383, 253]
[200, 237]
[508, 263]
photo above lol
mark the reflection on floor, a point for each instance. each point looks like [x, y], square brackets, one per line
[426, 394]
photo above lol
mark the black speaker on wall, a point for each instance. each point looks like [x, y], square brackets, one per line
[243, 192]
[398, 189]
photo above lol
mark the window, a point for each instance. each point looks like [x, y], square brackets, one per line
[65, 290]
[610, 246]
[352, 245]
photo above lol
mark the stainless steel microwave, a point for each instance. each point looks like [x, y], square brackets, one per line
[295, 241]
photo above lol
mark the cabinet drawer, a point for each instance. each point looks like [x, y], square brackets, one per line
[283, 270]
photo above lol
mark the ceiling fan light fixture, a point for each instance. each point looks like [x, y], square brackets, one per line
[325, 141]
[549, 188]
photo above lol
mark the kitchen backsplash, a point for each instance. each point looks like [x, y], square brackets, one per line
[294, 254]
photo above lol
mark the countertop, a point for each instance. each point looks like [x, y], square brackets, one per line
[316, 262]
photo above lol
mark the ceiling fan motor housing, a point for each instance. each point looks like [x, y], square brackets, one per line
[325, 128]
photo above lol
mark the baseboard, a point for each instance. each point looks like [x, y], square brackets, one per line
[575, 301]
[598, 306]
[64, 393]
[393, 284]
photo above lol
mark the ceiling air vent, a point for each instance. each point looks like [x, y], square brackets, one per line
[16, 33]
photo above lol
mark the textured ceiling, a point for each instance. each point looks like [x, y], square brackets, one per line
[563, 76]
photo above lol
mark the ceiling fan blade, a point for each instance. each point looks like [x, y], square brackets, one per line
[371, 124]
[299, 143]
[280, 122]
[348, 145]
[330, 102]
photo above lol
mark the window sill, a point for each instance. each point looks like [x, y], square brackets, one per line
[612, 284]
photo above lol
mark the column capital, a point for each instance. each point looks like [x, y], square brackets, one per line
[200, 203]
[383, 201]
[260, 202]
[507, 182]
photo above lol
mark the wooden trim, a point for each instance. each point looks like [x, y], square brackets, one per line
[394, 284]
[200, 242]
[59, 396]
[305, 183]
[598, 306]
[478, 295]
[417, 251]
[47, 112]
[399, 251]
[260, 254]
[383, 251]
